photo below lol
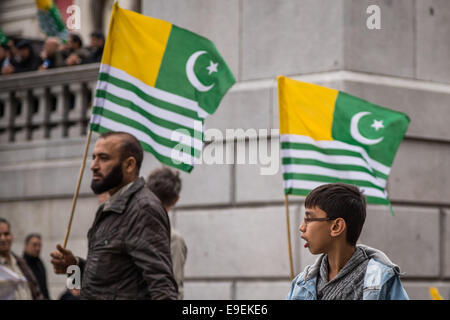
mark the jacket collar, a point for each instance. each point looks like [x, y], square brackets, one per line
[119, 204]
[312, 271]
[379, 256]
[308, 281]
[372, 253]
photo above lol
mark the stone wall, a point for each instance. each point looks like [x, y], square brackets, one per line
[232, 217]
[237, 233]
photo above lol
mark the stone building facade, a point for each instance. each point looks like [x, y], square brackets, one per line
[232, 217]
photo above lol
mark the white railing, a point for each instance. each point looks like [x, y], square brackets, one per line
[46, 104]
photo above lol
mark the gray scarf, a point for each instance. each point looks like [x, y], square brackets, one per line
[348, 283]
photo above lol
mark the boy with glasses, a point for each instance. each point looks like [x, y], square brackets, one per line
[334, 217]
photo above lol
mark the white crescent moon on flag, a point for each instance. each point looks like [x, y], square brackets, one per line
[191, 75]
[355, 132]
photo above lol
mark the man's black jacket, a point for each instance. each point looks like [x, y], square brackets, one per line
[39, 272]
[129, 250]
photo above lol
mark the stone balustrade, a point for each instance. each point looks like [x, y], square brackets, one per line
[46, 104]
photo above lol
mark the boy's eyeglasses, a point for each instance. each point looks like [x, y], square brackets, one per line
[308, 220]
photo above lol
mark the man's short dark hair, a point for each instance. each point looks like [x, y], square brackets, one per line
[340, 200]
[98, 35]
[3, 220]
[165, 183]
[77, 39]
[31, 236]
[130, 147]
[24, 44]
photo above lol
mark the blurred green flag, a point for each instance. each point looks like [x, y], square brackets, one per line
[50, 20]
[3, 38]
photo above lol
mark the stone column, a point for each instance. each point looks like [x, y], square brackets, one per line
[21, 116]
[39, 120]
[6, 118]
[74, 114]
[58, 112]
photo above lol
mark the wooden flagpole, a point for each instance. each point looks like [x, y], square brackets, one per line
[288, 226]
[77, 189]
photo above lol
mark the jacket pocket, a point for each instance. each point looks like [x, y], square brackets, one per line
[107, 257]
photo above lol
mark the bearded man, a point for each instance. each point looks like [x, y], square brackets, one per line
[129, 241]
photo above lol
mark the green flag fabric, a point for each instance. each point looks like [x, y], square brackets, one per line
[3, 38]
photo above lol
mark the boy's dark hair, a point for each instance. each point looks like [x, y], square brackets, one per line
[340, 200]
[32, 235]
[165, 183]
[130, 147]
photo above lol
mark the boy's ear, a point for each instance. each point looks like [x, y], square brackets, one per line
[338, 227]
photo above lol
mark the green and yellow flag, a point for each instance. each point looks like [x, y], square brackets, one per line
[50, 20]
[328, 136]
[158, 82]
[3, 38]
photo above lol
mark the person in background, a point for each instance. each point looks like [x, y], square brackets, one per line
[73, 51]
[51, 55]
[22, 284]
[32, 250]
[5, 57]
[166, 185]
[13, 46]
[96, 47]
[25, 59]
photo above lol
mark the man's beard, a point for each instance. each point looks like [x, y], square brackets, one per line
[112, 180]
[5, 248]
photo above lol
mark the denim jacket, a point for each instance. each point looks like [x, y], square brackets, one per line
[381, 281]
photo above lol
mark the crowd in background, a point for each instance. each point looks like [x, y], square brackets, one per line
[21, 56]
[24, 277]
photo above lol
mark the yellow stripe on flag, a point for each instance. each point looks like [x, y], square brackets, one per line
[305, 109]
[136, 44]
[44, 4]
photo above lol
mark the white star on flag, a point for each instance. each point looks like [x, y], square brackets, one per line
[212, 67]
[377, 124]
